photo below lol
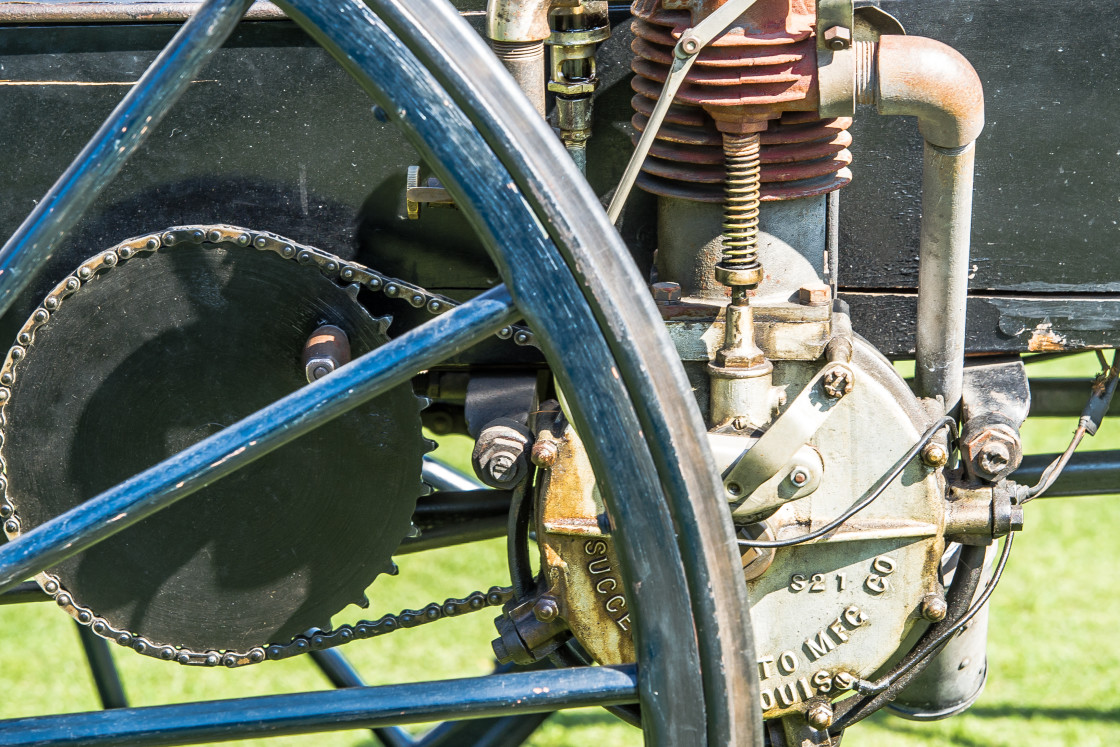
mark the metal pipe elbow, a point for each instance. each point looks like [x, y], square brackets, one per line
[916, 76]
[518, 20]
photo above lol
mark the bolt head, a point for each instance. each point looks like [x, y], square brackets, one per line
[814, 294]
[819, 715]
[664, 293]
[934, 455]
[799, 476]
[546, 609]
[934, 608]
[838, 37]
[993, 457]
[843, 681]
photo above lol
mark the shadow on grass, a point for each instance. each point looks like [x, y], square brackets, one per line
[563, 719]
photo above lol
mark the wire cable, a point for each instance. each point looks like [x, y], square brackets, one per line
[863, 503]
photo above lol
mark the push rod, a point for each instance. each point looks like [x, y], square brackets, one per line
[350, 708]
[251, 438]
[33, 244]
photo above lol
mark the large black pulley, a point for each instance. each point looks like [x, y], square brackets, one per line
[145, 356]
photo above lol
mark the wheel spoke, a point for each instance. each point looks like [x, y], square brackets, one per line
[349, 708]
[266, 430]
[26, 252]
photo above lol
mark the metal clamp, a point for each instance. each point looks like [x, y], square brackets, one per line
[836, 57]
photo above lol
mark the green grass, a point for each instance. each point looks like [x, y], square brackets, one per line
[1054, 671]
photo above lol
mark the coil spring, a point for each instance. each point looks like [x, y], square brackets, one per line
[740, 216]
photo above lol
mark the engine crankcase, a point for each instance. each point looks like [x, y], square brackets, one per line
[141, 354]
[825, 613]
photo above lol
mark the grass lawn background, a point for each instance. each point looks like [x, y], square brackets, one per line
[1054, 668]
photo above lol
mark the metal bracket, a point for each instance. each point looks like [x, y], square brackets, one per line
[836, 57]
[782, 441]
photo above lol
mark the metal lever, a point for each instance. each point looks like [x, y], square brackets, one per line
[684, 54]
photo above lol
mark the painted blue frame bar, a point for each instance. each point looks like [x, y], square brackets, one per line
[332, 710]
[25, 254]
[281, 422]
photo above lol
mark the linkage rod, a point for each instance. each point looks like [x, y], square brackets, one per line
[35, 241]
[279, 423]
[349, 708]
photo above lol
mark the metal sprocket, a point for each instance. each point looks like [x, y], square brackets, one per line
[275, 611]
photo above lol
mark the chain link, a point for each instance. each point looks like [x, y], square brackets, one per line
[334, 268]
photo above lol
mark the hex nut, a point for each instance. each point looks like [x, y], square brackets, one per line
[665, 293]
[499, 457]
[814, 294]
[838, 37]
[994, 452]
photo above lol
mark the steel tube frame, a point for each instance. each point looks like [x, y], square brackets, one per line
[350, 708]
[1087, 473]
[130, 123]
[281, 422]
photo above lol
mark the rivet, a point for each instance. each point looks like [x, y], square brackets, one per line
[198, 236]
[6, 510]
[84, 617]
[391, 290]
[11, 526]
[244, 239]
[375, 283]
[332, 266]
[140, 647]
[167, 653]
[62, 600]
[124, 639]
[435, 306]
[84, 273]
[110, 259]
[261, 242]
[6, 378]
[4, 394]
[51, 303]
[521, 338]
[17, 353]
[125, 252]
[41, 315]
[348, 273]
[24, 338]
[256, 655]
[212, 660]
[288, 251]
[184, 658]
[214, 236]
[99, 627]
[169, 238]
[152, 243]
[505, 332]
[50, 587]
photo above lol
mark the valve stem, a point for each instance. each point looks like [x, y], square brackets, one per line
[739, 267]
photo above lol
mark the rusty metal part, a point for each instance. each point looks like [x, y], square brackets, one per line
[935, 455]
[762, 69]
[23, 11]
[518, 20]
[993, 451]
[545, 453]
[801, 155]
[664, 293]
[499, 458]
[578, 560]
[327, 349]
[815, 294]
